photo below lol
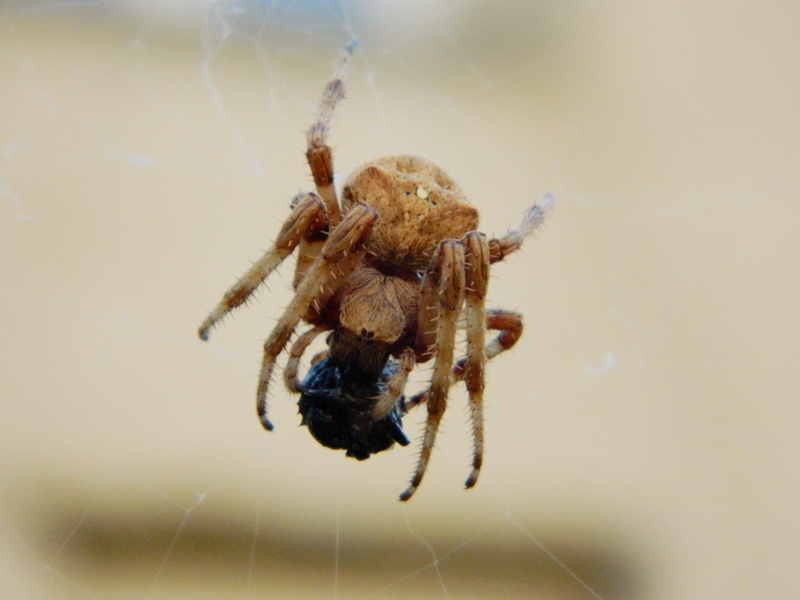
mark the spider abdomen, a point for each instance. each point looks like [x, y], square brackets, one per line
[418, 206]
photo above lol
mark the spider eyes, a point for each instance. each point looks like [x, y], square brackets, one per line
[365, 335]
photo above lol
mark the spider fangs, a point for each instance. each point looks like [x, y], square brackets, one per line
[388, 274]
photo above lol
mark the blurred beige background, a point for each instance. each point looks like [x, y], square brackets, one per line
[642, 438]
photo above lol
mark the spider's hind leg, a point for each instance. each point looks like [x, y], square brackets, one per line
[507, 322]
[318, 153]
[386, 402]
[477, 282]
[320, 161]
[307, 216]
[446, 270]
[341, 252]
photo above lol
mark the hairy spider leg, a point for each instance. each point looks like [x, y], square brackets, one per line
[320, 160]
[308, 215]
[394, 387]
[318, 153]
[512, 240]
[446, 270]
[295, 354]
[477, 282]
[341, 252]
[510, 325]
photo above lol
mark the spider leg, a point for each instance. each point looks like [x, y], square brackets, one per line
[307, 251]
[447, 268]
[308, 248]
[298, 348]
[428, 317]
[511, 241]
[308, 215]
[341, 252]
[477, 282]
[320, 161]
[318, 153]
[387, 400]
[509, 324]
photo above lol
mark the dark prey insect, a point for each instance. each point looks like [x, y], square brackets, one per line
[389, 275]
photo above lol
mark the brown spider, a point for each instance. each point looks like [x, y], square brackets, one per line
[389, 274]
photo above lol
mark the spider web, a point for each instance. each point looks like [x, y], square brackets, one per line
[641, 438]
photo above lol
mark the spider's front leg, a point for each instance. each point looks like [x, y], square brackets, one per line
[477, 282]
[510, 326]
[507, 322]
[296, 353]
[442, 295]
[307, 218]
[343, 250]
[395, 386]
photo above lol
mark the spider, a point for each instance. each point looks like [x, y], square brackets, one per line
[390, 273]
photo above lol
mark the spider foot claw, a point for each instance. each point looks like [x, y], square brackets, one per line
[266, 423]
[408, 493]
[472, 479]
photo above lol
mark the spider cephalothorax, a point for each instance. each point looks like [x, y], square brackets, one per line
[389, 274]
